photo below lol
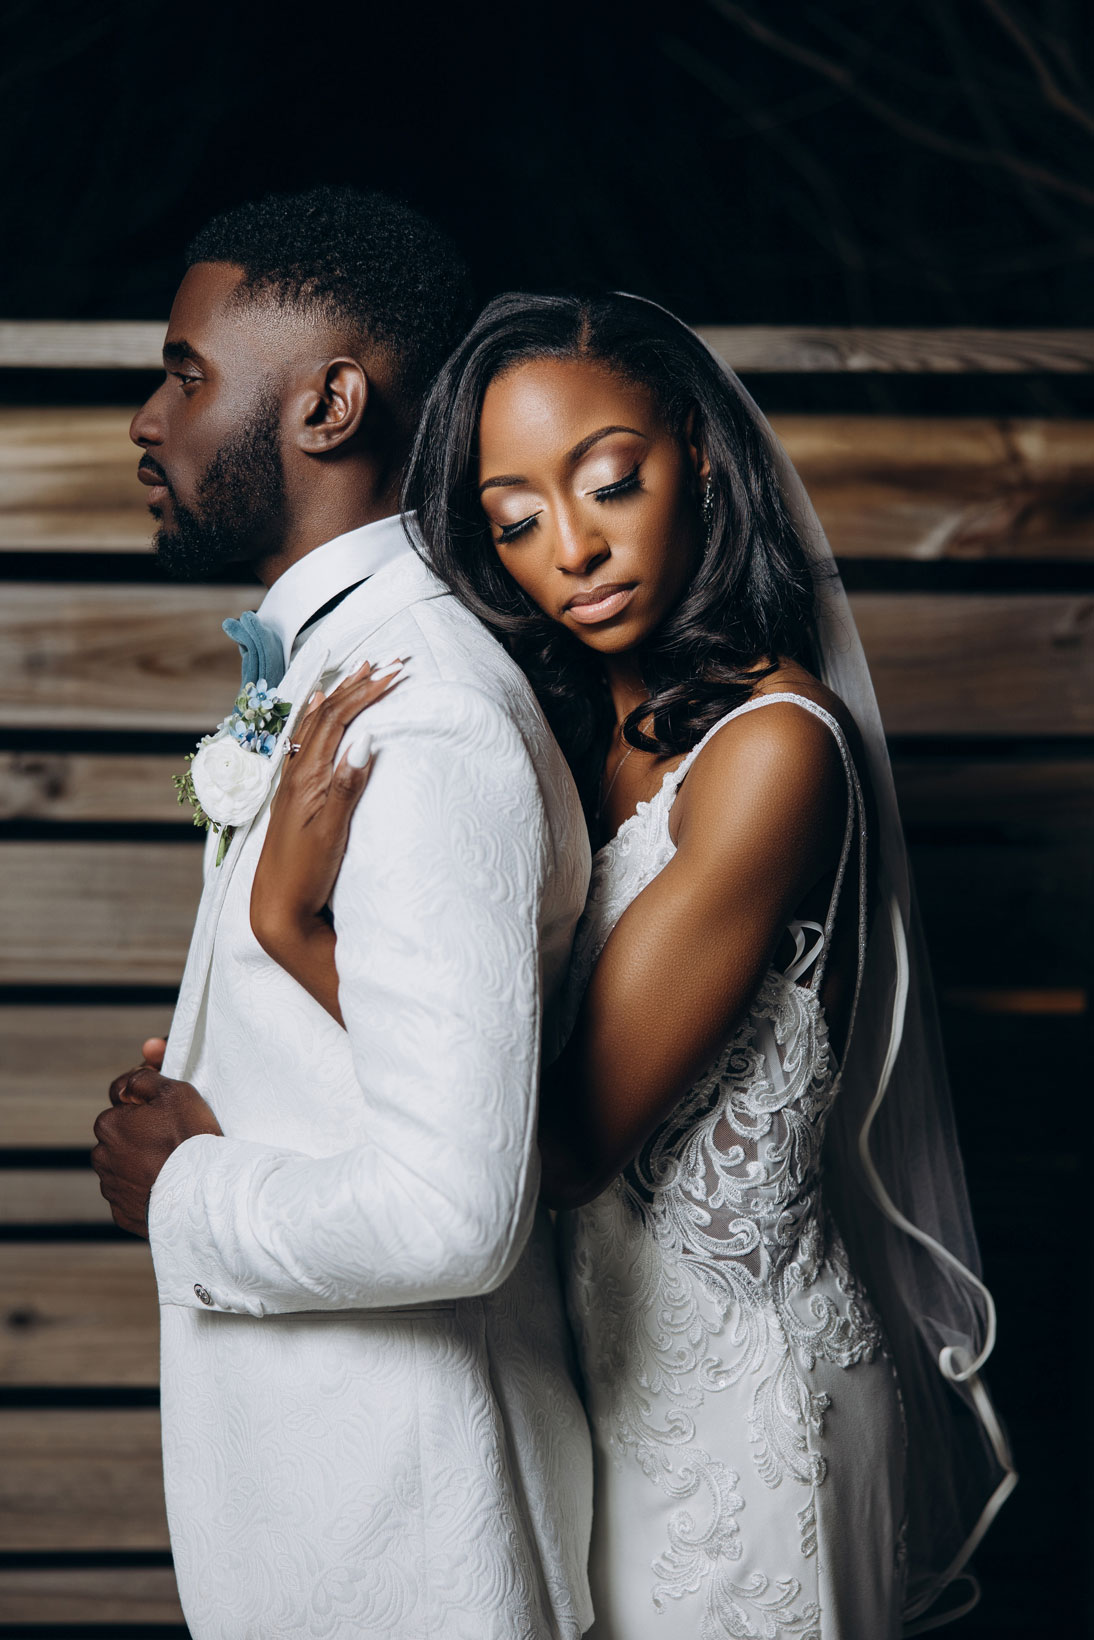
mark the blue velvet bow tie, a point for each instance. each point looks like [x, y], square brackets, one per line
[260, 650]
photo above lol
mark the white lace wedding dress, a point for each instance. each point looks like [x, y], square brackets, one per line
[747, 1423]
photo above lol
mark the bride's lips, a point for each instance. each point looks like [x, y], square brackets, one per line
[600, 603]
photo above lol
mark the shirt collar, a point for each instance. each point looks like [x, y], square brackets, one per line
[323, 573]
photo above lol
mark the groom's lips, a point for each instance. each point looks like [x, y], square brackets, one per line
[155, 481]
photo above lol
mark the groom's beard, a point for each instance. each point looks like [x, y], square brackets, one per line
[239, 513]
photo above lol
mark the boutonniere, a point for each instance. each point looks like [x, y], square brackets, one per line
[231, 771]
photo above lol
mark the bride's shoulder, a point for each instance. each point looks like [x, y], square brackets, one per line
[777, 764]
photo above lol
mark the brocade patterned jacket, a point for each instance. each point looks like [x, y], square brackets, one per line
[370, 1421]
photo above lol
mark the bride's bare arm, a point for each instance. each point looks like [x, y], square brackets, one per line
[306, 837]
[761, 820]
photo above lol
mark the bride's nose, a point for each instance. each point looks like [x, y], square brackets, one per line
[578, 548]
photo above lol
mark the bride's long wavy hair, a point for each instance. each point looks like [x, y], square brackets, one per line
[751, 598]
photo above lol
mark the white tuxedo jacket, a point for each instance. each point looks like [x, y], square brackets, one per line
[369, 1416]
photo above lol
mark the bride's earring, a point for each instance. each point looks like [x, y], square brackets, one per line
[706, 507]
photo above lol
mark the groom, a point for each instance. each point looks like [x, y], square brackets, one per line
[370, 1427]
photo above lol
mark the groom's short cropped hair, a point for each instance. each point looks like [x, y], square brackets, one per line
[371, 264]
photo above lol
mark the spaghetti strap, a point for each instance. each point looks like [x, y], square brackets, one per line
[856, 824]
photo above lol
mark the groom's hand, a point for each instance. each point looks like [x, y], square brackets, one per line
[150, 1116]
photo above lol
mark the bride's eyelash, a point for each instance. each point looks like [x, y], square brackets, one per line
[630, 481]
[509, 532]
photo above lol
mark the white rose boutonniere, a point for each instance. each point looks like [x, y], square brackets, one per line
[232, 769]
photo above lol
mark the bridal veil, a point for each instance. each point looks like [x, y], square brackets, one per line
[894, 1176]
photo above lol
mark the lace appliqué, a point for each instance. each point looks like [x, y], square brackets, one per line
[719, 1230]
[698, 1270]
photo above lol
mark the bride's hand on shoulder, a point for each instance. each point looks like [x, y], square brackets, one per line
[311, 812]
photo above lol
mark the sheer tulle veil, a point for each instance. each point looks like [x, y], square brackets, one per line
[894, 1177]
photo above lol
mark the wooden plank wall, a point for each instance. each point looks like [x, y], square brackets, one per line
[968, 544]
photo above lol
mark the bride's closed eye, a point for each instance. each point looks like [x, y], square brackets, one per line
[509, 532]
[605, 492]
[622, 486]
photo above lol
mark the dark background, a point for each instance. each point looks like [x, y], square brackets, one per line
[850, 163]
[856, 163]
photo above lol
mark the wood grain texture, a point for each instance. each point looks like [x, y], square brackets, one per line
[806, 349]
[140, 657]
[78, 1597]
[895, 487]
[57, 1063]
[980, 664]
[81, 344]
[115, 344]
[78, 786]
[78, 1313]
[81, 1480]
[96, 913]
[31, 1196]
[885, 486]
[114, 657]
[104, 787]
[68, 481]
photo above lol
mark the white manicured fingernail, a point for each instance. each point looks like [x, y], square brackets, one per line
[387, 671]
[360, 752]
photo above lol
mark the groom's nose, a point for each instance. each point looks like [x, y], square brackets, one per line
[146, 428]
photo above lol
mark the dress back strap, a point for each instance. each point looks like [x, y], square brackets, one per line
[855, 827]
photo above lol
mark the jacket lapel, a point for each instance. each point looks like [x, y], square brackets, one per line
[336, 641]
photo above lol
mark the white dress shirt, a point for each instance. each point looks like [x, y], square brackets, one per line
[307, 586]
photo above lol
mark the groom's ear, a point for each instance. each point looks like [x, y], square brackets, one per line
[331, 406]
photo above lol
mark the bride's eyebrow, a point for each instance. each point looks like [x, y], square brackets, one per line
[573, 456]
[590, 439]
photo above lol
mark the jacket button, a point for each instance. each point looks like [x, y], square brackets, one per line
[201, 1292]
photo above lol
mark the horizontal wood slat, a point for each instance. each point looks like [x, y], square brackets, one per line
[78, 1596]
[122, 913]
[137, 657]
[96, 913]
[57, 1064]
[76, 344]
[1049, 796]
[78, 1313]
[980, 663]
[1064, 1003]
[118, 657]
[104, 787]
[68, 481]
[77, 786]
[955, 350]
[885, 486]
[116, 344]
[34, 1196]
[1006, 914]
[81, 1480]
[909, 488]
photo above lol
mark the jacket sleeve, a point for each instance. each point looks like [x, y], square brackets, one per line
[436, 910]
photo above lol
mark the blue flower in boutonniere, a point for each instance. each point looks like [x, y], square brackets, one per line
[231, 771]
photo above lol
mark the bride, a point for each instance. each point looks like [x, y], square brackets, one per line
[770, 1264]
